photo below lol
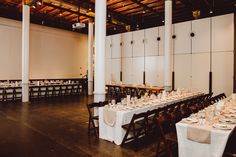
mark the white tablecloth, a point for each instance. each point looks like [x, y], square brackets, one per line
[116, 133]
[189, 148]
[218, 138]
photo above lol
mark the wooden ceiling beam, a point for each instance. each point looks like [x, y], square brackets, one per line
[116, 15]
[144, 6]
[68, 10]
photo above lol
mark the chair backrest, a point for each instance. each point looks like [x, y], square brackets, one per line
[91, 106]
[163, 122]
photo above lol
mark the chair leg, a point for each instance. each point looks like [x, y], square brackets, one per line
[95, 129]
[157, 149]
[89, 125]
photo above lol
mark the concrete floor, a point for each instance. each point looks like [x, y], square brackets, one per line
[55, 128]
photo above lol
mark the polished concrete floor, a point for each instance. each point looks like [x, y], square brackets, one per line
[56, 128]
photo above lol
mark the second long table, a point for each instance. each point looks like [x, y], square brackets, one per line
[116, 133]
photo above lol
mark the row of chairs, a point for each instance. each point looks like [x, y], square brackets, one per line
[143, 124]
[160, 121]
[167, 119]
[115, 92]
[37, 92]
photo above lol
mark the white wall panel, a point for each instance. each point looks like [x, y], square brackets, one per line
[54, 53]
[115, 69]
[161, 42]
[201, 40]
[182, 67]
[126, 49]
[108, 46]
[10, 54]
[182, 40]
[154, 69]
[200, 71]
[138, 44]
[138, 69]
[223, 33]
[127, 70]
[116, 47]
[151, 42]
[108, 70]
[222, 72]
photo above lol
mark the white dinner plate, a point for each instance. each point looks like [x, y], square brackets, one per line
[191, 120]
[228, 121]
[222, 126]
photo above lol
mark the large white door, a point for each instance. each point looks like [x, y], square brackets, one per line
[200, 71]
[223, 33]
[222, 72]
[201, 40]
[182, 42]
[151, 42]
[116, 46]
[127, 70]
[138, 69]
[183, 73]
[108, 47]
[138, 43]
[154, 70]
[126, 47]
[115, 69]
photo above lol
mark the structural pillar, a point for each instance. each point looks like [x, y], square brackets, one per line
[168, 46]
[90, 58]
[25, 52]
[99, 62]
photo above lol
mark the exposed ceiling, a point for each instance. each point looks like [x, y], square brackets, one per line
[122, 15]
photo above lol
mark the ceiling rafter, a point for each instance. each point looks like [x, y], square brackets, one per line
[114, 14]
[145, 7]
[68, 10]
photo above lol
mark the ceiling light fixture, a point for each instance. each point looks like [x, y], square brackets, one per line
[39, 3]
[211, 11]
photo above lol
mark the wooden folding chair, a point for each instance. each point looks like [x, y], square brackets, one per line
[92, 118]
[135, 129]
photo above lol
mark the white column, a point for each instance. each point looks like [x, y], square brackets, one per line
[25, 52]
[90, 58]
[99, 62]
[168, 45]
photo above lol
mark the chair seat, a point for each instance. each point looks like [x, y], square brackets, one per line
[138, 125]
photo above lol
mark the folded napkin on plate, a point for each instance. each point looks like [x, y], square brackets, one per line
[199, 135]
[109, 117]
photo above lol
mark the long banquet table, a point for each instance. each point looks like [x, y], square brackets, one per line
[122, 114]
[206, 133]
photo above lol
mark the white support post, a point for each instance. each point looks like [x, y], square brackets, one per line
[168, 46]
[100, 36]
[90, 58]
[25, 52]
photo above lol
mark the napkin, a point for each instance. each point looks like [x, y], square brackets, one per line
[220, 105]
[199, 135]
[109, 117]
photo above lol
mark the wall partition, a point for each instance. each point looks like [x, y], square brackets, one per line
[199, 47]
[54, 53]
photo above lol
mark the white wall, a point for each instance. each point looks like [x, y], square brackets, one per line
[54, 53]
[211, 49]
